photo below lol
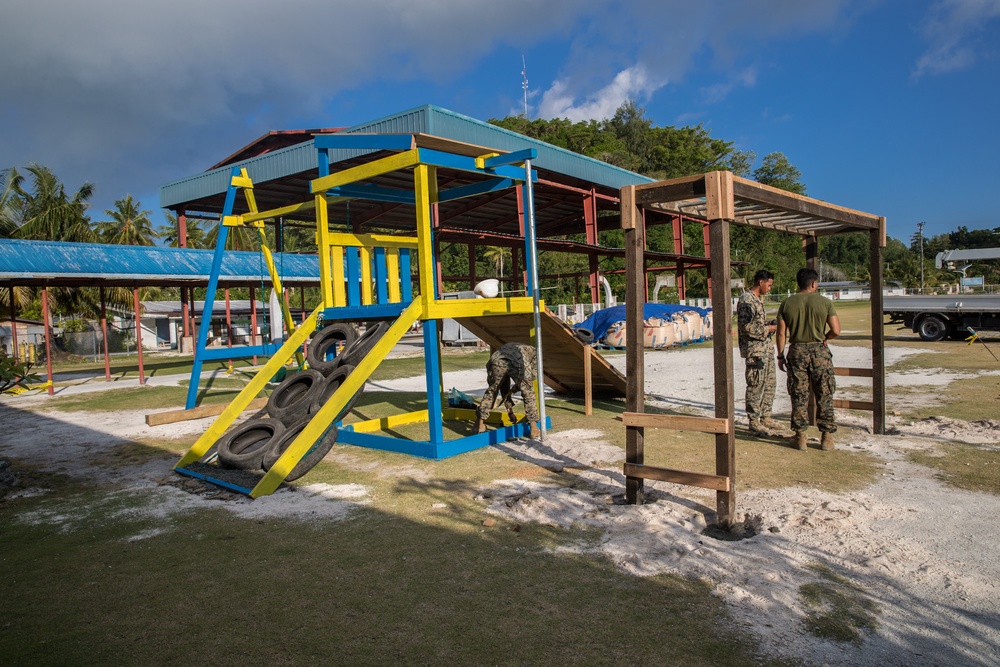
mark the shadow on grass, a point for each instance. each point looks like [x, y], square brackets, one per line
[111, 569]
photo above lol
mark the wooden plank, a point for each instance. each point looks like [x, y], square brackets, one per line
[719, 196]
[868, 406]
[676, 189]
[750, 191]
[174, 416]
[677, 422]
[725, 395]
[635, 383]
[717, 482]
[844, 371]
[588, 381]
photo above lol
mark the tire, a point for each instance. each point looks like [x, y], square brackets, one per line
[290, 401]
[932, 328]
[360, 348]
[585, 335]
[330, 386]
[325, 341]
[958, 334]
[307, 462]
[243, 447]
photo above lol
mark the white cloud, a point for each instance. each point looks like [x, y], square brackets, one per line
[951, 29]
[631, 83]
[746, 78]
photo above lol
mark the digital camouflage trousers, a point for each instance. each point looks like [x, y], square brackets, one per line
[761, 381]
[810, 367]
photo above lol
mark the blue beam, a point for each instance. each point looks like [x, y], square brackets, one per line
[373, 193]
[473, 189]
[240, 351]
[516, 157]
[463, 163]
[375, 312]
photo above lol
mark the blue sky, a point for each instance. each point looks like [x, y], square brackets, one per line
[888, 106]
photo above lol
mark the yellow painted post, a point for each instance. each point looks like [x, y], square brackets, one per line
[365, 255]
[323, 245]
[322, 420]
[338, 277]
[243, 399]
[425, 194]
[392, 264]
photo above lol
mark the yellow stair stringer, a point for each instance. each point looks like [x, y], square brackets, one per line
[322, 420]
[256, 385]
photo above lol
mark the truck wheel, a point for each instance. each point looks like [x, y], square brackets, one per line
[958, 334]
[932, 328]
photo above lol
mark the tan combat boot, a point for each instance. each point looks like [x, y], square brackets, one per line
[826, 442]
[535, 431]
[479, 427]
[800, 440]
[772, 425]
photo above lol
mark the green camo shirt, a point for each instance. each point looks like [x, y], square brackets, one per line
[805, 317]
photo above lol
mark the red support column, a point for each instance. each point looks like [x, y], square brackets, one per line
[47, 318]
[708, 253]
[515, 251]
[472, 267]
[229, 324]
[302, 304]
[182, 230]
[104, 333]
[590, 224]
[253, 322]
[678, 226]
[138, 335]
[13, 325]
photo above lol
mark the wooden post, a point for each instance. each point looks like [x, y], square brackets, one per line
[590, 226]
[47, 321]
[13, 324]
[104, 333]
[588, 381]
[721, 209]
[635, 384]
[876, 241]
[138, 335]
[645, 274]
[677, 222]
[706, 234]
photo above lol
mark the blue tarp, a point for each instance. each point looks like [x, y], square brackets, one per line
[602, 320]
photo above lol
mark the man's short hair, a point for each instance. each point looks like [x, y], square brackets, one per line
[805, 277]
[762, 276]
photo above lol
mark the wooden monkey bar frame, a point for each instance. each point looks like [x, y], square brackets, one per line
[722, 199]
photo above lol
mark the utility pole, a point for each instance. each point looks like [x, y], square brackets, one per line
[920, 232]
[524, 84]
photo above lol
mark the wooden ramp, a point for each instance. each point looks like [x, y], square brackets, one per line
[570, 366]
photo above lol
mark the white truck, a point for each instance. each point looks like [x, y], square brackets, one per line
[935, 317]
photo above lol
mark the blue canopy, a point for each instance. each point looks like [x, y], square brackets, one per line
[601, 320]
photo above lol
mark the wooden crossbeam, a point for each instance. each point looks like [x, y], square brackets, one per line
[159, 418]
[854, 372]
[716, 482]
[854, 405]
[677, 422]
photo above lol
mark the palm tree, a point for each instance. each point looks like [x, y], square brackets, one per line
[45, 212]
[495, 256]
[129, 224]
[10, 181]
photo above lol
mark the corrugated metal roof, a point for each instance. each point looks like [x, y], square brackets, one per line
[426, 119]
[58, 263]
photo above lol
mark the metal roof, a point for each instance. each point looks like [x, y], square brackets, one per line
[427, 119]
[49, 263]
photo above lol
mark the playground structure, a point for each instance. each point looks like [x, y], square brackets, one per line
[367, 277]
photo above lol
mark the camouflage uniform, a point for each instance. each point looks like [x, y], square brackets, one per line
[811, 365]
[757, 348]
[513, 364]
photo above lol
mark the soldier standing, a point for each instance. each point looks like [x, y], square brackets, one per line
[755, 335]
[511, 368]
[807, 320]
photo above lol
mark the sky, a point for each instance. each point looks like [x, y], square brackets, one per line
[887, 106]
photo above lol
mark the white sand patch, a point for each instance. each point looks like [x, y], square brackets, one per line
[316, 501]
[575, 448]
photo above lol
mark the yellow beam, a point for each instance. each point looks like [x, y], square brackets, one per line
[404, 160]
[478, 307]
[242, 181]
[373, 240]
[373, 425]
[468, 414]
[254, 387]
[284, 210]
[425, 194]
[323, 243]
[321, 421]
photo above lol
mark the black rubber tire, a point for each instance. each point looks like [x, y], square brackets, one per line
[958, 334]
[327, 338]
[932, 328]
[243, 447]
[307, 462]
[585, 335]
[360, 348]
[290, 401]
[330, 386]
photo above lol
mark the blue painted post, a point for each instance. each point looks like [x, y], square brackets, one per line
[381, 276]
[213, 284]
[353, 260]
[406, 288]
[432, 369]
